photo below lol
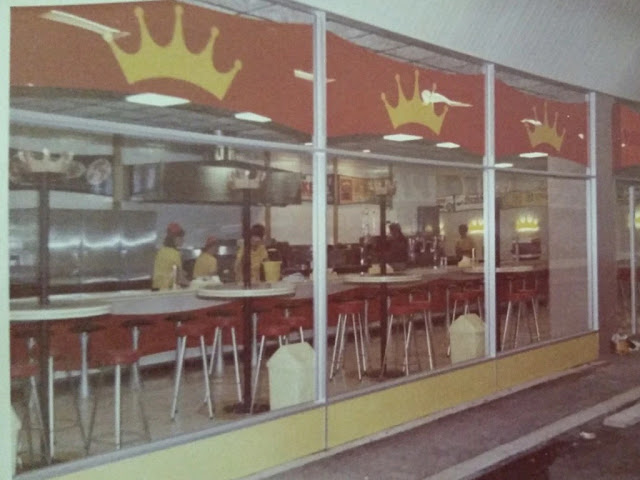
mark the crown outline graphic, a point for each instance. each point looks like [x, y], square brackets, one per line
[527, 223]
[173, 60]
[414, 110]
[544, 132]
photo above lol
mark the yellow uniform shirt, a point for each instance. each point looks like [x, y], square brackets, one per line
[206, 265]
[258, 255]
[166, 258]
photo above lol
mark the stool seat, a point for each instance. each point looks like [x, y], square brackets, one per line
[273, 329]
[136, 322]
[421, 304]
[121, 357]
[191, 329]
[179, 318]
[349, 307]
[23, 370]
[225, 321]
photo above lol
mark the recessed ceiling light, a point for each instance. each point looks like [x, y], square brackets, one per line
[156, 99]
[401, 137]
[503, 165]
[308, 76]
[533, 155]
[366, 150]
[447, 145]
[252, 117]
[308, 144]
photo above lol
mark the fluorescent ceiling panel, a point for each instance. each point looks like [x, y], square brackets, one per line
[156, 99]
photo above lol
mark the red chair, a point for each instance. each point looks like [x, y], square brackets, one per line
[117, 359]
[26, 372]
[225, 321]
[274, 329]
[523, 298]
[348, 310]
[184, 332]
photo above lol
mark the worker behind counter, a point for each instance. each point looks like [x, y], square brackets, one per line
[258, 254]
[206, 264]
[464, 246]
[167, 266]
[397, 250]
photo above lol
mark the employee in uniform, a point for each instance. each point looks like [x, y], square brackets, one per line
[206, 264]
[397, 254]
[258, 253]
[464, 245]
[167, 266]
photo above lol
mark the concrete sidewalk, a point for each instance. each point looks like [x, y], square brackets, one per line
[474, 441]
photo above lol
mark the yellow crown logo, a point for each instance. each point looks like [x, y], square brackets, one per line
[414, 110]
[542, 132]
[527, 223]
[173, 60]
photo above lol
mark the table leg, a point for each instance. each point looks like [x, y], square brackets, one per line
[247, 353]
[43, 388]
[383, 324]
[84, 366]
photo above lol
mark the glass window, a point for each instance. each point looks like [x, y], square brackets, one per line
[542, 288]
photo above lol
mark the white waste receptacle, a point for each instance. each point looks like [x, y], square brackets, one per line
[17, 425]
[467, 338]
[291, 376]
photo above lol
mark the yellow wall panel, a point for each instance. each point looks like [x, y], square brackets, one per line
[265, 445]
[361, 416]
[226, 456]
[526, 366]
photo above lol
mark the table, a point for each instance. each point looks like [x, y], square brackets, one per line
[247, 294]
[30, 310]
[383, 279]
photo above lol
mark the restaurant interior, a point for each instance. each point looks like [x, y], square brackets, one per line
[128, 117]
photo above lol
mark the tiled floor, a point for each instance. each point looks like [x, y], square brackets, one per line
[192, 414]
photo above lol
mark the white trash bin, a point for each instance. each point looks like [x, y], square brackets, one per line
[17, 425]
[467, 338]
[291, 375]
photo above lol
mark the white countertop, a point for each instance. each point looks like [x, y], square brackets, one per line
[388, 278]
[30, 310]
[255, 291]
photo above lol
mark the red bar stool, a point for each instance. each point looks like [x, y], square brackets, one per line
[184, 332]
[134, 325]
[423, 307]
[522, 299]
[117, 359]
[275, 329]
[348, 310]
[229, 321]
[298, 321]
[84, 328]
[366, 296]
[27, 372]
[467, 296]
[60, 360]
[406, 313]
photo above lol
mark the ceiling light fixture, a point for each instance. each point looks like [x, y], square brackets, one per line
[533, 155]
[503, 165]
[301, 74]
[156, 99]
[447, 145]
[402, 137]
[252, 117]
